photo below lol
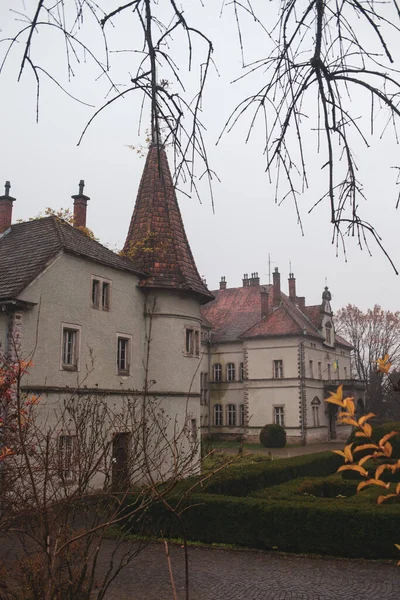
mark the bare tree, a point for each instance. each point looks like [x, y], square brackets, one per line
[373, 334]
[63, 485]
[326, 72]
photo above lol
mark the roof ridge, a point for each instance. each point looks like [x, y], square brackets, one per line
[294, 316]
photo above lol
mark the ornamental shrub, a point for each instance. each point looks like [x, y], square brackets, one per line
[377, 433]
[273, 436]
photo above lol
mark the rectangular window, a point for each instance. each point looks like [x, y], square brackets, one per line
[278, 369]
[95, 293]
[231, 415]
[70, 348]
[329, 371]
[241, 371]
[101, 293]
[123, 356]
[279, 415]
[311, 369]
[241, 415]
[345, 372]
[67, 456]
[319, 370]
[192, 342]
[230, 372]
[218, 415]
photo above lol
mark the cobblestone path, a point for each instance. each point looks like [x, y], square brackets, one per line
[247, 575]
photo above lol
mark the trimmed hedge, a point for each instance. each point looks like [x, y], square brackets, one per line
[365, 531]
[310, 489]
[241, 480]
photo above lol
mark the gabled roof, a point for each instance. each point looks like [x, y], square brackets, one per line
[342, 342]
[27, 248]
[314, 314]
[235, 314]
[234, 310]
[287, 319]
[156, 241]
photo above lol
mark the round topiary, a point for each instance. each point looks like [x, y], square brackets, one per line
[273, 436]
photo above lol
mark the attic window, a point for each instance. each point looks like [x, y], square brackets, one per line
[101, 293]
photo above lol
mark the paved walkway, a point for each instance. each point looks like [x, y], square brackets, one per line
[248, 575]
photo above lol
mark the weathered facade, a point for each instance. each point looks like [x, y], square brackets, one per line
[272, 359]
[100, 324]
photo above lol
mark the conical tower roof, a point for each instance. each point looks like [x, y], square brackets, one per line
[156, 241]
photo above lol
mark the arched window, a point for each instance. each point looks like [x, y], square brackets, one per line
[241, 371]
[217, 415]
[217, 372]
[241, 415]
[231, 414]
[315, 404]
[230, 372]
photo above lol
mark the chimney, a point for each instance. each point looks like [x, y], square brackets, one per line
[264, 302]
[246, 280]
[276, 278]
[301, 302]
[222, 284]
[6, 206]
[254, 280]
[292, 288]
[80, 206]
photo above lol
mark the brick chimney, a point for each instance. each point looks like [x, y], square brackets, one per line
[301, 302]
[246, 280]
[254, 279]
[6, 207]
[276, 278]
[80, 206]
[292, 288]
[264, 302]
[222, 284]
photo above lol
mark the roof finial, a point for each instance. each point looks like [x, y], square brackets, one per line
[7, 188]
[81, 186]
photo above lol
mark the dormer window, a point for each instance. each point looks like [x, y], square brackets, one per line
[328, 333]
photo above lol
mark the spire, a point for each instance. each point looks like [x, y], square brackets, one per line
[156, 241]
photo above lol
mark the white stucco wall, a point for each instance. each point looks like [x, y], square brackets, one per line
[63, 297]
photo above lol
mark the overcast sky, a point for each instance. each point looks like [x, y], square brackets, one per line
[44, 165]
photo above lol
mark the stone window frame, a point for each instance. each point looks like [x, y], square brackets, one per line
[76, 331]
[192, 342]
[278, 414]
[231, 372]
[218, 415]
[277, 368]
[125, 337]
[231, 415]
[100, 293]
[217, 372]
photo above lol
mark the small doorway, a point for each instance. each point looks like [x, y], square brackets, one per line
[120, 461]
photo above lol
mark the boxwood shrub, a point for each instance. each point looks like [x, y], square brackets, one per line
[241, 480]
[366, 530]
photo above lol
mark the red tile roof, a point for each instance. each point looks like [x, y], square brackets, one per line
[156, 241]
[314, 314]
[235, 313]
[285, 320]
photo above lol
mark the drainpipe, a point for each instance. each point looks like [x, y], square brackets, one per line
[303, 394]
